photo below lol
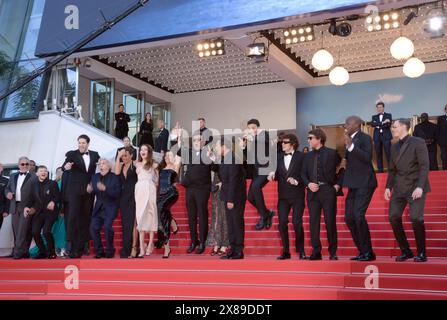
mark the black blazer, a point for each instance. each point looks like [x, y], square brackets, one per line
[409, 167]
[386, 131]
[330, 159]
[79, 176]
[197, 173]
[285, 189]
[254, 162]
[359, 171]
[29, 193]
[108, 199]
[428, 132]
[232, 175]
[4, 202]
[50, 193]
[441, 133]
[122, 119]
[161, 142]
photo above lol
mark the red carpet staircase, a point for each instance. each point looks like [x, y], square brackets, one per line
[260, 275]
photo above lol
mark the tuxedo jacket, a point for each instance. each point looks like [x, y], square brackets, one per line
[285, 189]
[427, 131]
[232, 176]
[379, 125]
[257, 152]
[29, 193]
[161, 142]
[198, 172]
[359, 171]
[409, 167]
[330, 159]
[441, 134]
[79, 177]
[4, 202]
[50, 193]
[107, 200]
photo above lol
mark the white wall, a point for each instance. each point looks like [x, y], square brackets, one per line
[274, 105]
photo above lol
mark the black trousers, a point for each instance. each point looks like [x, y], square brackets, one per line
[21, 227]
[78, 225]
[443, 156]
[99, 220]
[433, 157]
[45, 221]
[324, 199]
[236, 226]
[356, 204]
[378, 144]
[121, 133]
[127, 206]
[397, 205]
[297, 207]
[197, 207]
[256, 197]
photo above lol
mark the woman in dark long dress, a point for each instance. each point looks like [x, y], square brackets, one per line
[146, 131]
[121, 118]
[125, 169]
[168, 196]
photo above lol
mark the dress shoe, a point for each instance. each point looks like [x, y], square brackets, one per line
[370, 256]
[333, 257]
[201, 249]
[86, 251]
[17, 257]
[41, 255]
[315, 256]
[269, 220]
[192, 247]
[227, 256]
[52, 256]
[237, 256]
[284, 256]
[303, 256]
[421, 257]
[110, 255]
[100, 255]
[356, 258]
[407, 254]
[74, 255]
[260, 225]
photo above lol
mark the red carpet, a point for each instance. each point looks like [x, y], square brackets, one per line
[260, 275]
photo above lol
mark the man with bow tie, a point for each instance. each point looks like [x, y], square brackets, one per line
[360, 179]
[290, 194]
[382, 134]
[82, 166]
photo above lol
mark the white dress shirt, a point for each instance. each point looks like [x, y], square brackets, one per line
[20, 181]
[86, 158]
[352, 145]
[287, 160]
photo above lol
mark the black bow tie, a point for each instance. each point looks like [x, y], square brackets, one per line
[288, 154]
[84, 153]
[22, 173]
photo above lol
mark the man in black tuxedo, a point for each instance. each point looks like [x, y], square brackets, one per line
[408, 179]
[427, 131]
[360, 179]
[161, 142]
[45, 218]
[319, 175]
[233, 193]
[22, 191]
[382, 134]
[441, 137]
[122, 119]
[4, 202]
[106, 187]
[82, 166]
[256, 145]
[197, 181]
[290, 194]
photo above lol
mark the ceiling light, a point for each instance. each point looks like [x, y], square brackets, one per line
[343, 30]
[382, 21]
[402, 48]
[322, 60]
[207, 48]
[435, 23]
[296, 34]
[414, 68]
[255, 50]
[339, 76]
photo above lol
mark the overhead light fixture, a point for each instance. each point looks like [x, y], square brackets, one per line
[295, 35]
[410, 17]
[382, 21]
[211, 48]
[255, 50]
[436, 21]
[339, 76]
[414, 68]
[322, 60]
[343, 30]
[402, 48]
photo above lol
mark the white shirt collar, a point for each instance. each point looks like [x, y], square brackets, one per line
[354, 134]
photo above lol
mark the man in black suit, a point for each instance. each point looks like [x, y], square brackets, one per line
[382, 134]
[82, 166]
[256, 145]
[45, 218]
[233, 193]
[4, 202]
[408, 179]
[441, 137]
[161, 142]
[197, 181]
[427, 131]
[122, 119]
[319, 175]
[290, 194]
[205, 133]
[360, 179]
[106, 187]
[22, 191]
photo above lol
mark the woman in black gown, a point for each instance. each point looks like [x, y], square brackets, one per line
[146, 131]
[125, 169]
[168, 196]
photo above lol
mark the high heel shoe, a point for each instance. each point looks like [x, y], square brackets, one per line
[142, 252]
[166, 256]
[215, 251]
[149, 249]
[133, 253]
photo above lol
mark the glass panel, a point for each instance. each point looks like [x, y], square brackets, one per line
[133, 104]
[63, 86]
[162, 112]
[101, 104]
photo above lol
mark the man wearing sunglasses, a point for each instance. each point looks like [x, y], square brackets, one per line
[23, 193]
[319, 175]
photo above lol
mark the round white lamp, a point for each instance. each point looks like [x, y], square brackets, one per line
[402, 48]
[339, 76]
[414, 68]
[322, 60]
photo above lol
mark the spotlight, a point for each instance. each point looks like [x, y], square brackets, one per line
[333, 27]
[255, 50]
[382, 21]
[410, 17]
[298, 34]
[343, 30]
[210, 48]
[435, 23]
